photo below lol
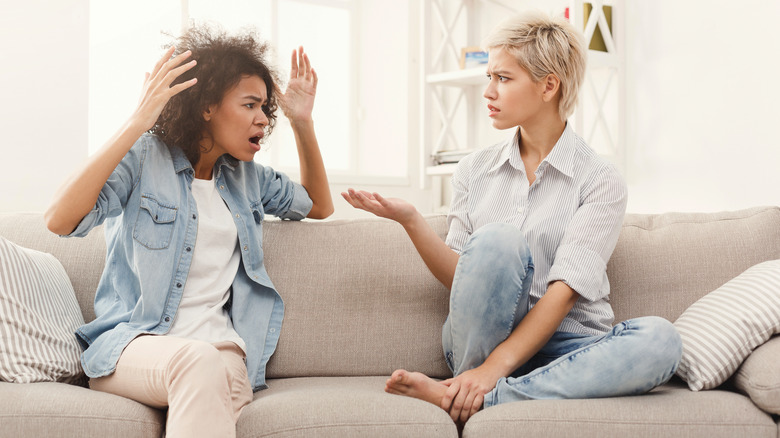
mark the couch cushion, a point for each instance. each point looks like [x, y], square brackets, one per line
[663, 263]
[340, 407]
[68, 411]
[721, 329]
[759, 377]
[365, 303]
[38, 317]
[82, 258]
[670, 410]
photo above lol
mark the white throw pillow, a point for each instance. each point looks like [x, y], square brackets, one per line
[721, 329]
[38, 317]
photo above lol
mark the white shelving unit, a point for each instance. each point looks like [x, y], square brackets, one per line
[600, 117]
[450, 96]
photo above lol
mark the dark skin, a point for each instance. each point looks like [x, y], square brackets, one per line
[76, 197]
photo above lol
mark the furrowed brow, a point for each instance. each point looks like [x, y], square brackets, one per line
[257, 99]
[498, 72]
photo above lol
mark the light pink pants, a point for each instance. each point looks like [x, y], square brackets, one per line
[205, 386]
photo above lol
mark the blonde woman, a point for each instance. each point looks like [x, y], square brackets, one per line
[532, 223]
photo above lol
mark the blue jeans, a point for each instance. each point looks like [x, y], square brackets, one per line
[490, 296]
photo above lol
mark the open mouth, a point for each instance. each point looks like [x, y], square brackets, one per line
[256, 139]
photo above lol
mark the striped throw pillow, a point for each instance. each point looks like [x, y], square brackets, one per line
[38, 317]
[721, 329]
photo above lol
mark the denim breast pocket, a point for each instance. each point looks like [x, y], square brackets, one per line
[155, 222]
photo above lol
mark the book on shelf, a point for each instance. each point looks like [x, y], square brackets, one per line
[446, 157]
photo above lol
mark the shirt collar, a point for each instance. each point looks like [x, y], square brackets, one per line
[180, 161]
[561, 157]
[510, 152]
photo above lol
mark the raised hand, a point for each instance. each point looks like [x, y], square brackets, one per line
[297, 102]
[157, 89]
[393, 208]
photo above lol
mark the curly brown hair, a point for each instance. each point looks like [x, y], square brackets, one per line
[222, 61]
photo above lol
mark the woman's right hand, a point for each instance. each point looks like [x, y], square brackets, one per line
[79, 193]
[157, 89]
[393, 208]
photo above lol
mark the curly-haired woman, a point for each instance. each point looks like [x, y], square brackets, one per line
[187, 317]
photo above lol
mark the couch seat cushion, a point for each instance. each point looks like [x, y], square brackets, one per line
[670, 410]
[340, 407]
[62, 410]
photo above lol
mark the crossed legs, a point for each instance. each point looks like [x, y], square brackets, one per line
[489, 297]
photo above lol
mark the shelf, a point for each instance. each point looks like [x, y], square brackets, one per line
[459, 78]
[441, 169]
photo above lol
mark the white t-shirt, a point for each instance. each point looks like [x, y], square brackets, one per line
[214, 265]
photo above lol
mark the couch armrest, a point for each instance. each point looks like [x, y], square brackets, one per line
[759, 377]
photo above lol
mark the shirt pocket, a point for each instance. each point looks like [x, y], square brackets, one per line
[155, 223]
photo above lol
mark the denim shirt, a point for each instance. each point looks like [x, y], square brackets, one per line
[151, 224]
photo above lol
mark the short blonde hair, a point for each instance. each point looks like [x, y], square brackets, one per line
[543, 45]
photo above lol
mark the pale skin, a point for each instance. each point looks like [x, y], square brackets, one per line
[229, 125]
[514, 100]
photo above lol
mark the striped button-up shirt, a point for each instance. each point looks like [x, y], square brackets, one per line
[571, 217]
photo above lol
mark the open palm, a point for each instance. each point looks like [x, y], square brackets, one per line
[297, 102]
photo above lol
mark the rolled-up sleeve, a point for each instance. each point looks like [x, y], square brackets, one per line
[283, 197]
[458, 217]
[581, 258]
[115, 192]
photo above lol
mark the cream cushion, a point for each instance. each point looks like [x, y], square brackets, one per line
[38, 317]
[759, 376]
[721, 329]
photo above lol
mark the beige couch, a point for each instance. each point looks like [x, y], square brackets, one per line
[360, 303]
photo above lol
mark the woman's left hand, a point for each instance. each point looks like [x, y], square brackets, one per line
[297, 102]
[466, 392]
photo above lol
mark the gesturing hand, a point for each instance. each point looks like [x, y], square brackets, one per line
[392, 208]
[297, 102]
[157, 89]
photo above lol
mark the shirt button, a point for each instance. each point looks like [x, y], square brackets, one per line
[189, 249]
[167, 319]
[178, 284]
[237, 215]
[246, 248]
[272, 330]
[193, 216]
[519, 209]
[222, 187]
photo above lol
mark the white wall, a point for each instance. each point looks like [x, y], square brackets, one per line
[703, 105]
[43, 89]
[702, 91]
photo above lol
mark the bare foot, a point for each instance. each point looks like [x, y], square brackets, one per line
[416, 385]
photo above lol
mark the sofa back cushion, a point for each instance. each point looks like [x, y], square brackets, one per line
[358, 299]
[664, 263]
